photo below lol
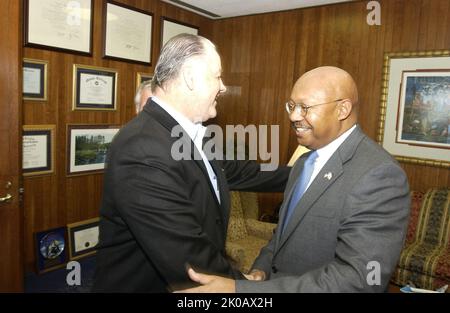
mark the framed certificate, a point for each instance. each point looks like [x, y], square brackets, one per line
[87, 147]
[127, 33]
[142, 77]
[83, 238]
[64, 25]
[34, 80]
[170, 28]
[38, 149]
[94, 88]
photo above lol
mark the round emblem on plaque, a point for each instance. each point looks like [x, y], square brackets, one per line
[52, 245]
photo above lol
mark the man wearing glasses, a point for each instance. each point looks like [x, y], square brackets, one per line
[344, 218]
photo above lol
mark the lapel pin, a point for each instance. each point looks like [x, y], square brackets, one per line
[328, 175]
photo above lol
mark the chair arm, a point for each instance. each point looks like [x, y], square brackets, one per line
[260, 229]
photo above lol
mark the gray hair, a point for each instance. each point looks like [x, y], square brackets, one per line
[146, 84]
[174, 54]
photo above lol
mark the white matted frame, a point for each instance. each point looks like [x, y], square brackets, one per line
[63, 25]
[415, 108]
[83, 238]
[170, 28]
[128, 33]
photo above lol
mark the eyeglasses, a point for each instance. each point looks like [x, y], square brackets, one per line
[291, 106]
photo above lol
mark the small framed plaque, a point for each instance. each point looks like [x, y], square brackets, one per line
[34, 80]
[83, 238]
[142, 77]
[170, 28]
[127, 33]
[94, 88]
[38, 149]
[63, 25]
[51, 249]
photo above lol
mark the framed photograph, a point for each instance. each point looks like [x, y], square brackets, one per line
[34, 80]
[170, 28]
[87, 147]
[51, 249]
[38, 149]
[63, 25]
[83, 238]
[142, 77]
[94, 88]
[415, 107]
[127, 33]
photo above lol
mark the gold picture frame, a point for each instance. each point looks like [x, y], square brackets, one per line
[94, 88]
[35, 76]
[414, 123]
[38, 150]
[142, 77]
[83, 238]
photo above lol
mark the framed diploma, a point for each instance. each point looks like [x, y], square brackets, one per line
[64, 25]
[51, 249]
[127, 33]
[87, 147]
[38, 149]
[170, 28]
[142, 77]
[34, 80]
[94, 88]
[83, 238]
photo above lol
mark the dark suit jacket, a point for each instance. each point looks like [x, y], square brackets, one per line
[159, 215]
[345, 221]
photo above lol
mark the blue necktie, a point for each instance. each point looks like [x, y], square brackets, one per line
[300, 186]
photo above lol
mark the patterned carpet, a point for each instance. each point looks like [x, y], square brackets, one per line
[55, 281]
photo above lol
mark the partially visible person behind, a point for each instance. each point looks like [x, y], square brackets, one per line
[143, 93]
[160, 214]
[344, 217]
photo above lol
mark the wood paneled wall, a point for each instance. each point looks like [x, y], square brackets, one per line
[56, 200]
[263, 56]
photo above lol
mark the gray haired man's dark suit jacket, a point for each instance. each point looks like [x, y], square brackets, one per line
[345, 220]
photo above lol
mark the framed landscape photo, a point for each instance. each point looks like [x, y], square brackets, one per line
[38, 149]
[51, 249]
[94, 88]
[83, 238]
[87, 147]
[415, 107]
[34, 85]
[127, 33]
[170, 28]
[63, 25]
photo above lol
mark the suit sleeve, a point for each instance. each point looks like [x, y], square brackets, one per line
[247, 176]
[372, 230]
[164, 220]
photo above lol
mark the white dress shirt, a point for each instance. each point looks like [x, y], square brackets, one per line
[325, 153]
[196, 132]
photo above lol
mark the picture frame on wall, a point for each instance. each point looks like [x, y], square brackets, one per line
[127, 33]
[83, 238]
[170, 28]
[94, 88]
[62, 25]
[415, 109]
[34, 87]
[50, 249]
[87, 146]
[142, 77]
[38, 149]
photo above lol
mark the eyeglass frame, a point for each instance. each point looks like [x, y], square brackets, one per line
[304, 108]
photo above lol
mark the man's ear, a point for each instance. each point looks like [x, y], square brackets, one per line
[188, 76]
[344, 109]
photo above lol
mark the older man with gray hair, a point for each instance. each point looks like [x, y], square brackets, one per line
[158, 214]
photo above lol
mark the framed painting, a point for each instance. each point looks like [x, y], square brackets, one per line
[415, 107]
